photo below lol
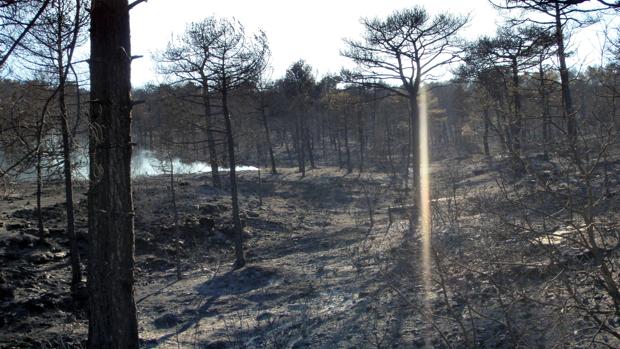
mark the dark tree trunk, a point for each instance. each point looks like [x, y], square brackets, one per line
[112, 310]
[272, 158]
[546, 114]
[516, 124]
[215, 172]
[339, 149]
[346, 145]
[40, 225]
[234, 196]
[485, 135]
[175, 211]
[360, 136]
[309, 146]
[76, 268]
[567, 100]
[388, 135]
[414, 130]
[299, 145]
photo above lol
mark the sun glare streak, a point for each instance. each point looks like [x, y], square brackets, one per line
[425, 202]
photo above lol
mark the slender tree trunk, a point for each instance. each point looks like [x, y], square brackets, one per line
[485, 135]
[213, 162]
[360, 136]
[414, 138]
[346, 145]
[40, 225]
[309, 146]
[515, 126]
[112, 310]
[339, 150]
[301, 155]
[272, 158]
[175, 211]
[567, 100]
[234, 196]
[388, 135]
[76, 269]
[546, 114]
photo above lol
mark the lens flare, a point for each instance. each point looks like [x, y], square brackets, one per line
[424, 206]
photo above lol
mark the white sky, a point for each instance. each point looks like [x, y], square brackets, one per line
[309, 30]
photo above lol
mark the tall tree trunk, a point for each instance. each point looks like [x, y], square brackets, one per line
[215, 172]
[301, 155]
[272, 158]
[414, 130]
[234, 196]
[339, 150]
[515, 126]
[360, 137]
[39, 170]
[388, 136]
[485, 135]
[567, 100]
[309, 146]
[76, 269]
[175, 211]
[346, 145]
[112, 310]
[546, 114]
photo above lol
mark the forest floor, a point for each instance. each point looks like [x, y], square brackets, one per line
[318, 274]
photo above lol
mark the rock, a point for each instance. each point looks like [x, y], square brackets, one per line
[216, 345]
[16, 226]
[41, 258]
[251, 214]
[209, 209]
[264, 316]
[166, 321]
[6, 293]
[22, 242]
[207, 223]
[56, 231]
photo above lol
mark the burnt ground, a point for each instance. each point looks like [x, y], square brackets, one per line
[318, 274]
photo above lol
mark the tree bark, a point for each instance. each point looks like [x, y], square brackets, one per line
[485, 135]
[567, 100]
[76, 268]
[215, 173]
[40, 226]
[240, 258]
[272, 158]
[346, 145]
[112, 310]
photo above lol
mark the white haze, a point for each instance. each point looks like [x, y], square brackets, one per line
[146, 163]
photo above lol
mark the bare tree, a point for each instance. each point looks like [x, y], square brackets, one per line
[558, 16]
[50, 49]
[298, 83]
[235, 61]
[187, 61]
[15, 25]
[404, 48]
[508, 54]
